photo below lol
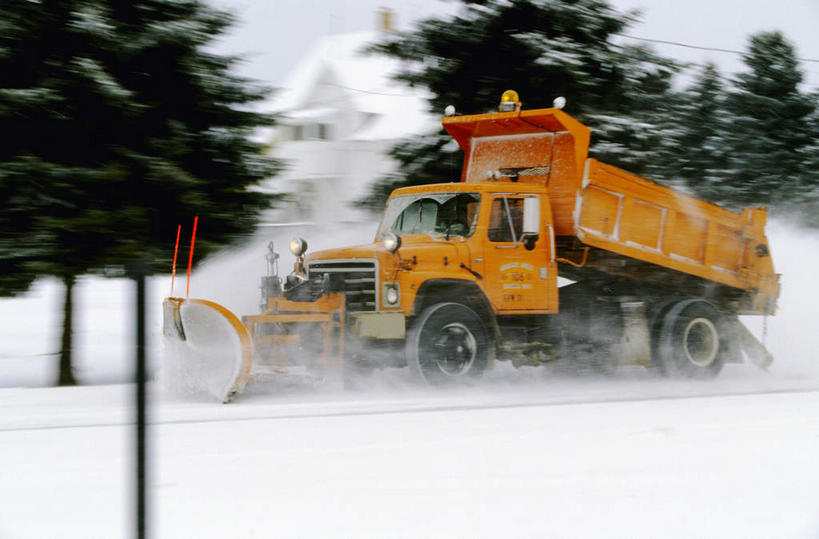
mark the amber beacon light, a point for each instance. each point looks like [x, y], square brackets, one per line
[510, 101]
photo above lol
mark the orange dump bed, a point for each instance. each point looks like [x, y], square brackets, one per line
[605, 209]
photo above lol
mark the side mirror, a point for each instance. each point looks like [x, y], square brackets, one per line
[531, 222]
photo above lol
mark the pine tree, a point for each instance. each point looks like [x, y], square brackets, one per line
[542, 49]
[804, 207]
[771, 130]
[697, 154]
[119, 124]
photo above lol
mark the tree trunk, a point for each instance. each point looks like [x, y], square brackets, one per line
[66, 374]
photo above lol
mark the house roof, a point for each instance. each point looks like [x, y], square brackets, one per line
[336, 72]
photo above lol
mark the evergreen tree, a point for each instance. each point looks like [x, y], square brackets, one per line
[542, 49]
[804, 207]
[771, 132]
[118, 125]
[697, 154]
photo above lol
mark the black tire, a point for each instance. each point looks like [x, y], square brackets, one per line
[693, 341]
[448, 344]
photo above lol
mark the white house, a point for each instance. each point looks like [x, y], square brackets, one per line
[339, 113]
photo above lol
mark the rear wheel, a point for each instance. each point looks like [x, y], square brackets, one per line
[447, 344]
[693, 341]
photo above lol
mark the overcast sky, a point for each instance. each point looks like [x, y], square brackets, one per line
[275, 34]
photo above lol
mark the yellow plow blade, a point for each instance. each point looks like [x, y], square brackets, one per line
[207, 349]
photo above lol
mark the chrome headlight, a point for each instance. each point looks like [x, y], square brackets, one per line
[392, 242]
[298, 246]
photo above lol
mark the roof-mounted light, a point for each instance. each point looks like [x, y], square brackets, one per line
[510, 101]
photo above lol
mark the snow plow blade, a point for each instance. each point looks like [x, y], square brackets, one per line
[209, 349]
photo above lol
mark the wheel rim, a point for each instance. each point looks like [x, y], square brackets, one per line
[701, 342]
[455, 349]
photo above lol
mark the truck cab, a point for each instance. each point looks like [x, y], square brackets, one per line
[486, 237]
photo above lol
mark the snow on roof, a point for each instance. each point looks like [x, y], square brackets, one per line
[311, 113]
[338, 66]
[412, 119]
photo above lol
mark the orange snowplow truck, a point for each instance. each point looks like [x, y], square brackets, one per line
[466, 273]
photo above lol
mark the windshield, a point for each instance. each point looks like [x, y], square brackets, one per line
[452, 214]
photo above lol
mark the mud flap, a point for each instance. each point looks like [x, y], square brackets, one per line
[207, 348]
[755, 350]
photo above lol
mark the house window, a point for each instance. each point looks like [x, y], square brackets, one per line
[298, 132]
[323, 132]
[311, 132]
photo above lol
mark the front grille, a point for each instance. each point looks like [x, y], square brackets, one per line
[355, 278]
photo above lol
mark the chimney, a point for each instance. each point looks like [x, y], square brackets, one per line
[385, 20]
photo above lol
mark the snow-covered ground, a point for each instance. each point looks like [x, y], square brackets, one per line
[524, 454]
[570, 458]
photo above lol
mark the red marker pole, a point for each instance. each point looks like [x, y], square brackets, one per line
[190, 256]
[175, 252]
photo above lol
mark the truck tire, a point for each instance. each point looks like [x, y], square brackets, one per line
[448, 344]
[693, 341]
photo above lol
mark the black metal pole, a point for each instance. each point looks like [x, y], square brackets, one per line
[141, 402]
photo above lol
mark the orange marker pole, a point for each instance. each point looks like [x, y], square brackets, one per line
[175, 252]
[190, 257]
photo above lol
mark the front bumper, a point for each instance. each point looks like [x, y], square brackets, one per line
[379, 325]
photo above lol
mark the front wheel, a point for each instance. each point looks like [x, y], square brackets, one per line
[448, 343]
[693, 340]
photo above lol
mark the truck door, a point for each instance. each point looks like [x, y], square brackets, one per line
[519, 280]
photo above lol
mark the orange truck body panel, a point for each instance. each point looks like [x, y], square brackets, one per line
[602, 207]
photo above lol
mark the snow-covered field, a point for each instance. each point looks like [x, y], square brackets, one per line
[536, 461]
[523, 454]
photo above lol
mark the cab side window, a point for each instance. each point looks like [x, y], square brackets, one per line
[506, 219]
